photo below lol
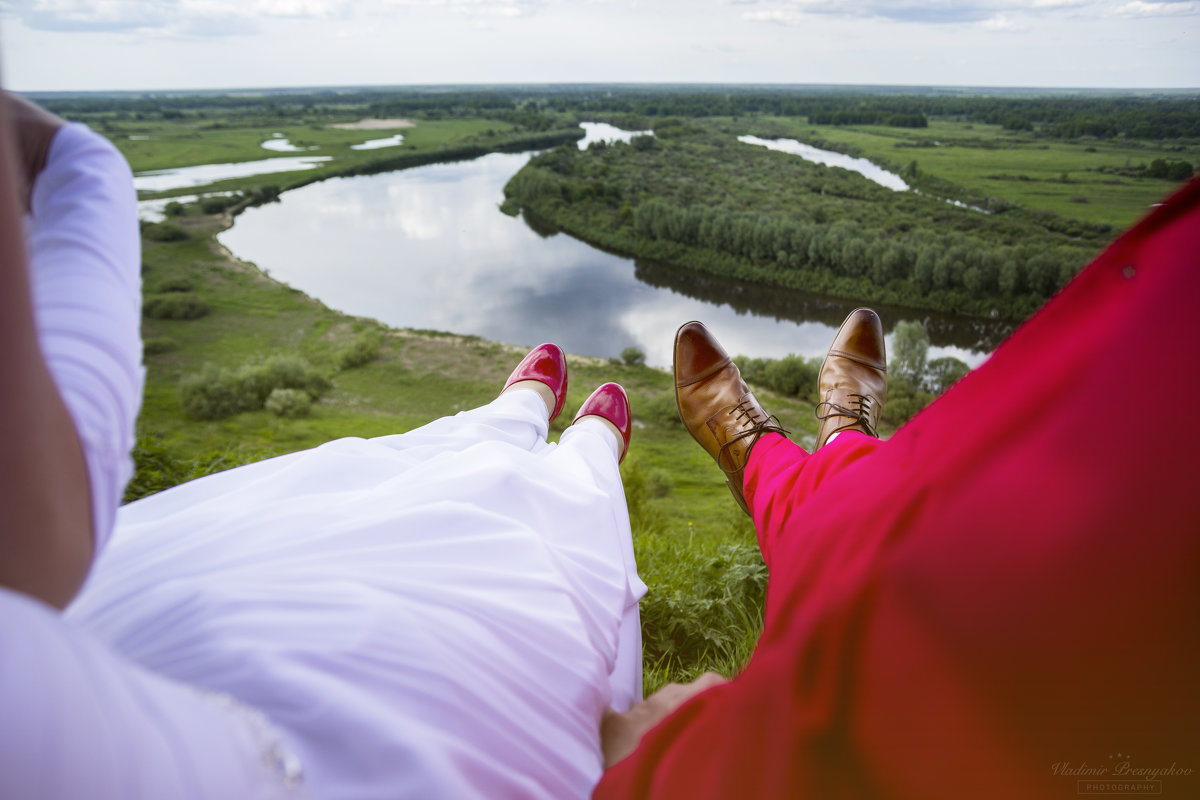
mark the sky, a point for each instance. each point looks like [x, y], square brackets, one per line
[87, 45]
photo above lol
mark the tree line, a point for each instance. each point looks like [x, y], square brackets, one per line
[537, 107]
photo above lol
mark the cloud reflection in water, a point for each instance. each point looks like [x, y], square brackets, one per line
[428, 248]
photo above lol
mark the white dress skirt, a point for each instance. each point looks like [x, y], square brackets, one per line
[441, 613]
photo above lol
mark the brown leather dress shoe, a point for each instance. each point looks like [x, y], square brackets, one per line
[853, 380]
[716, 405]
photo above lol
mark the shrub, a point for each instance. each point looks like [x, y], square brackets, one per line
[175, 284]
[364, 349]
[158, 344]
[173, 209]
[942, 373]
[174, 305]
[215, 393]
[164, 232]
[259, 379]
[289, 403]
[633, 357]
[903, 401]
[791, 375]
[217, 204]
[661, 409]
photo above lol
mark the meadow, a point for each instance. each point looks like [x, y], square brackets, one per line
[210, 317]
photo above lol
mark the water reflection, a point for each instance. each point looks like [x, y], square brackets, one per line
[603, 132]
[428, 248]
[376, 144]
[280, 144]
[831, 159]
[160, 180]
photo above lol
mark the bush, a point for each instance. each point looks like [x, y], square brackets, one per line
[164, 232]
[217, 204]
[174, 305]
[175, 284]
[259, 379]
[791, 375]
[216, 393]
[173, 209]
[904, 401]
[158, 344]
[633, 357]
[942, 373]
[660, 409]
[289, 403]
[364, 349]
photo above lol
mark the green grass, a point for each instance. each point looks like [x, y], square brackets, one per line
[1019, 167]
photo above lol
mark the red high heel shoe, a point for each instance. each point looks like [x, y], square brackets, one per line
[546, 364]
[611, 403]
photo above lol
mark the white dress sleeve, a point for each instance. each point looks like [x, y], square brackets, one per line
[85, 270]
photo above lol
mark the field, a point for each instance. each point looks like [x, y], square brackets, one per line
[695, 549]
[1063, 177]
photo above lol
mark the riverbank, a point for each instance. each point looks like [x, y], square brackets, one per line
[703, 195]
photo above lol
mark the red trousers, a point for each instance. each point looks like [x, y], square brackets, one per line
[1002, 600]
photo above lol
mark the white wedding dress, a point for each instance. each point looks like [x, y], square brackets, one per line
[441, 613]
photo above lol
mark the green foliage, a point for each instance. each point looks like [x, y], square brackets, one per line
[217, 203]
[633, 357]
[216, 393]
[159, 467]
[644, 142]
[659, 409]
[904, 401]
[792, 375]
[154, 345]
[534, 183]
[362, 350]
[1170, 170]
[174, 283]
[705, 601]
[164, 232]
[174, 305]
[942, 373]
[290, 403]
[910, 349]
[173, 209]
[704, 201]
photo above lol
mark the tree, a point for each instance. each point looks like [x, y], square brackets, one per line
[910, 349]
[942, 373]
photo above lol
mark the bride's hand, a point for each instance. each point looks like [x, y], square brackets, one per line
[621, 732]
[33, 127]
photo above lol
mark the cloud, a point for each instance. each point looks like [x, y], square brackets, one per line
[1167, 8]
[189, 17]
[1002, 23]
[227, 17]
[991, 14]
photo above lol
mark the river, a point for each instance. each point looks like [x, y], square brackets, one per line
[428, 248]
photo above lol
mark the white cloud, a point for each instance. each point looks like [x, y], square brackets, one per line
[216, 17]
[1162, 9]
[1003, 24]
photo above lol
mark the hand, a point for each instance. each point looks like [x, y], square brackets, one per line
[620, 733]
[33, 128]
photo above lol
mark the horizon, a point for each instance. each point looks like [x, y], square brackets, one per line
[853, 88]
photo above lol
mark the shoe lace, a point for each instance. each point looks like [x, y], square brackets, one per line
[747, 410]
[860, 413]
